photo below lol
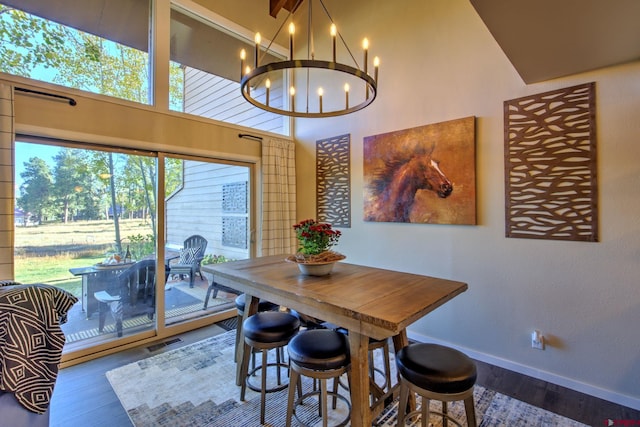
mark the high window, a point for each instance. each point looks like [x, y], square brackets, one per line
[210, 58]
[101, 51]
[103, 47]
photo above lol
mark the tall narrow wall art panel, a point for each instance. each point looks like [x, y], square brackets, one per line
[550, 165]
[425, 174]
[333, 180]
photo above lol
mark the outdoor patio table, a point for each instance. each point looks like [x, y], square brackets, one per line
[96, 279]
[369, 302]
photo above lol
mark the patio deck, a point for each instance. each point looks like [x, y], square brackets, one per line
[180, 301]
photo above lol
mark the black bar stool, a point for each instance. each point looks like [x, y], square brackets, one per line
[241, 301]
[320, 354]
[436, 372]
[266, 331]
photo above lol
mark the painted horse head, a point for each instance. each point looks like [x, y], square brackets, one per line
[396, 185]
[436, 180]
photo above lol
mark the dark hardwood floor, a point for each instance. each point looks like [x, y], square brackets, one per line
[83, 396]
[578, 406]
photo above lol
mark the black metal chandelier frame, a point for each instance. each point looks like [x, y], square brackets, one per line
[256, 76]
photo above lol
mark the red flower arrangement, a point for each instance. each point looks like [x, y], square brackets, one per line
[315, 240]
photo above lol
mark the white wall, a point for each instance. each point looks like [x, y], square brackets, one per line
[438, 63]
[201, 197]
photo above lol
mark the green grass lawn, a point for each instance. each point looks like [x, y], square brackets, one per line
[53, 270]
[44, 254]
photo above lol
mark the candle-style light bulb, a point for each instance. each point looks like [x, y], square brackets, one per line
[320, 93]
[267, 85]
[247, 70]
[292, 30]
[365, 46]
[376, 64]
[346, 94]
[243, 56]
[258, 39]
[334, 32]
[292, 92]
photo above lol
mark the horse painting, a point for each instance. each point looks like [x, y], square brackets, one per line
[393, 188]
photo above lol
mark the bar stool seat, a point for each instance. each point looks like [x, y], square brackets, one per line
[241, 301]
[320, 354]
[436, 372]
[262, 332]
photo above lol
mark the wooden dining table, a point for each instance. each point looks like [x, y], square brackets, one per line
[367, 301]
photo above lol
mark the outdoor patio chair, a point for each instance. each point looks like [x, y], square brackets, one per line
[122, 295]
[191, 256]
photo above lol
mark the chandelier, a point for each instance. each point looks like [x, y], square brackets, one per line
[309, 87]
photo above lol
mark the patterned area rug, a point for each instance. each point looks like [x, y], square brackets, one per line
[195, 386]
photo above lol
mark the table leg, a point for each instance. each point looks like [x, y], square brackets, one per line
[400, 341]
[360, 410]
[250, 308]
[85, 295]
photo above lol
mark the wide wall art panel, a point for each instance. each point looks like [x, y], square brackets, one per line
[423, 175]
[550, 165]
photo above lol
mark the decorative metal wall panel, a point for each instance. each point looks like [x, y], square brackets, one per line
[234, 197]
[333, 180]
[234, 231]
[550, 165]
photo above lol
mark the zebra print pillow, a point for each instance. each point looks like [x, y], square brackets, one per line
[8, 283]
[31, 341]
[188, 255]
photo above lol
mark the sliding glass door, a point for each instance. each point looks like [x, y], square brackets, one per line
[84, 219]
[207, 222]
[89, 220]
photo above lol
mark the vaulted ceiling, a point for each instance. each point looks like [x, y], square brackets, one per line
[543, 39]
[546, 39]
[276, 6]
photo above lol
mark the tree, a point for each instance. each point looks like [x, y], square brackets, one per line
[29, 45]
[114, 204]
[87, 189]
[36, 188]
[88, 62]
[69, 173]
[27, 42]
[147, 170]
[173, 177]
[98, 65]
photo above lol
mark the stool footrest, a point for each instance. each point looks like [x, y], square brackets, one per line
[441, 414]
[280, 386]
[335, 395]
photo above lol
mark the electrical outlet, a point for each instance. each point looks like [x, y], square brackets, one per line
[537, 340]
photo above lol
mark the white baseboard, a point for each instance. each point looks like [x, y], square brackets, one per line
[620, 399]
